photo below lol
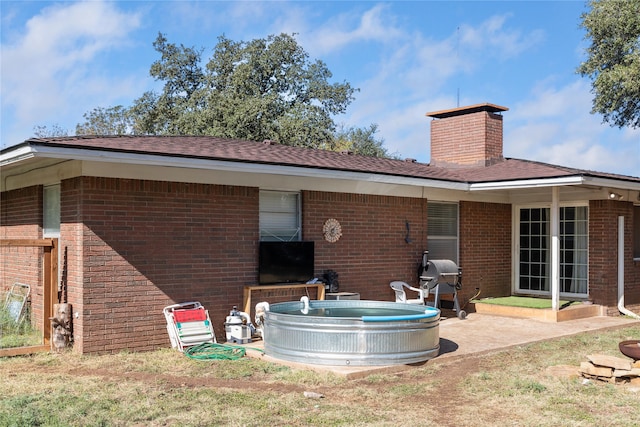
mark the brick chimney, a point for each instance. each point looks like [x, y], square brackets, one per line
[467, 136]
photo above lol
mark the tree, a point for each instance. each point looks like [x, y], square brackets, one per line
[170, 112]
[257, 90]
[268, 89]
[43, 131]
[361, 141]
[106, 121]
[613, 62]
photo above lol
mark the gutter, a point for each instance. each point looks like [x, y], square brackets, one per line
[528, 183]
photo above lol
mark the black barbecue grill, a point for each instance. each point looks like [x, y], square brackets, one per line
[442, 277]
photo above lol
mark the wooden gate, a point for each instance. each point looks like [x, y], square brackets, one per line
[49, 286]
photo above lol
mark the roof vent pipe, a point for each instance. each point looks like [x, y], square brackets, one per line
[621, 306]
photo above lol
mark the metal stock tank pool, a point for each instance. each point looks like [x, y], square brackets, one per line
[351, 332]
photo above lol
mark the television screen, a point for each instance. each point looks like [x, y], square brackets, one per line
[285, 262]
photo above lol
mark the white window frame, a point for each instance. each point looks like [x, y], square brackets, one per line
[280, 216]
[435, 236]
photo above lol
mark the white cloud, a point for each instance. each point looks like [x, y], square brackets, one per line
[375, 24]
[555, 126]
[412, 79]
[493, 40]
[48, 66]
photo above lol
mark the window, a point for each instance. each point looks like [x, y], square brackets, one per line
[574, 248]
[534, 249]
[636, 232]
[442, 230]
[534, 254]
[51, 211]
[280, 216]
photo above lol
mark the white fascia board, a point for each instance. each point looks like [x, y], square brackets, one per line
[236, 166]
[528, 183]
[617, 184]
[18, 155]
[620, 184]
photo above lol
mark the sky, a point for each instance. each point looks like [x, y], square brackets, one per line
[60, 60]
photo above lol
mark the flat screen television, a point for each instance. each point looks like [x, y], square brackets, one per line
[285, 262]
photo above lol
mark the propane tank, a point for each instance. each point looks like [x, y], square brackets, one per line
[236, 327]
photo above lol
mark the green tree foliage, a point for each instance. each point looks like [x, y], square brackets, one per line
[361, 141]
[613, 63]
[106, 121]
[262, 89]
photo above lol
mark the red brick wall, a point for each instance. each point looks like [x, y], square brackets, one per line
[466, 140]
[132, 247]
[372, 251]
[150, 244]
[603, 255]
[485, 249]
[21, 218]
[71, 251]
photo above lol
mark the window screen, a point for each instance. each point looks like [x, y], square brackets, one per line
[51, 211]
[442, 230]
[279, 216]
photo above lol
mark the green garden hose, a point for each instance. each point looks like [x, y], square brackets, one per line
[213, 351]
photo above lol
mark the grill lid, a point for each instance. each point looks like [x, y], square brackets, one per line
[440, 270]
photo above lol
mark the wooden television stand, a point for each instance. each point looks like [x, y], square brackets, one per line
[246, 305]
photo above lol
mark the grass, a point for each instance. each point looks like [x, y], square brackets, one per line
[526, 302]
[17, 334]
[166, 388]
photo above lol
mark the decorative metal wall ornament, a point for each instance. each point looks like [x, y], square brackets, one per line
[332, 230]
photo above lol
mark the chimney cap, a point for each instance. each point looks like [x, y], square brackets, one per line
[459, 111]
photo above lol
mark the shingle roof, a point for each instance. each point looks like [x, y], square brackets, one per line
[235, 150]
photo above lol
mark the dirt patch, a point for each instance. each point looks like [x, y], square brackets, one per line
[444, 380]
[167, 381]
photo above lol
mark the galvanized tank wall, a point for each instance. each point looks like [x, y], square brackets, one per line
[351, 341]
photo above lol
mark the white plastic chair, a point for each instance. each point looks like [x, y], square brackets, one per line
[401, 296]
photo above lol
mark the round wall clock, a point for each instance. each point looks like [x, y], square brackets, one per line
[332, 230]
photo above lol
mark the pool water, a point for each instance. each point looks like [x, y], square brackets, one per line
[351, 312]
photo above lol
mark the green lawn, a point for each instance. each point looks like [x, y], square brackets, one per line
[526, 302]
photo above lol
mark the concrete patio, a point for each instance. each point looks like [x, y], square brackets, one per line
[476, 335]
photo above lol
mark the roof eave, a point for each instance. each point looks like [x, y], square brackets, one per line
[19, 154]
[527, 183]
[111, 156]
[577, 179]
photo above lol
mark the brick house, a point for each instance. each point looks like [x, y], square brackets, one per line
[147, 221]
